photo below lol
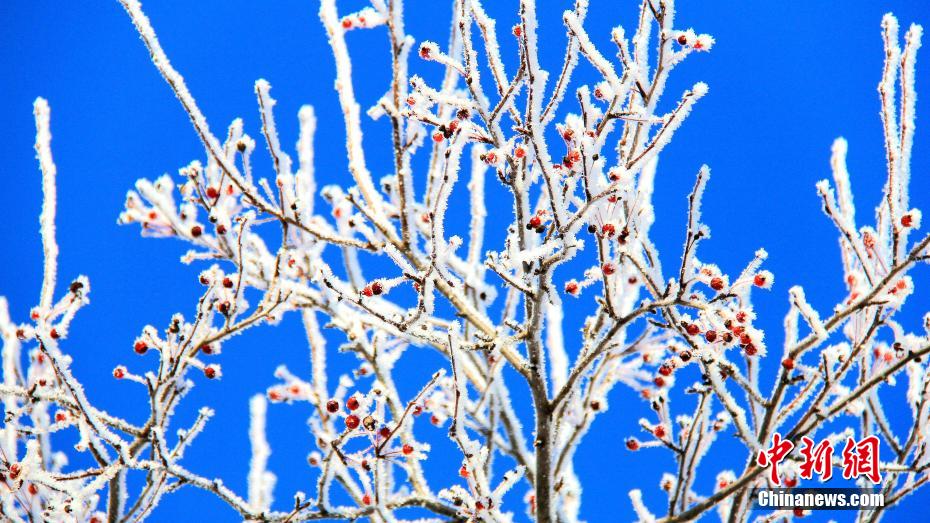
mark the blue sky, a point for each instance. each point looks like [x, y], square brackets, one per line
[785, 79]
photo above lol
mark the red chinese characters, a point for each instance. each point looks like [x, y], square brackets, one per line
[774, 455]
[817, 459]
[861, 459]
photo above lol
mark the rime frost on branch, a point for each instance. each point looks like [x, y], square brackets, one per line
[581, 178]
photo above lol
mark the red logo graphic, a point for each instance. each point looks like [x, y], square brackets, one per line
[860, 458]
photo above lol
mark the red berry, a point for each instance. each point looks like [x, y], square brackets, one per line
[517, 30]
[463, 472]
[385, 432]
[682, 39]
[196, 231]
[741, 316]
[346, 23]
[791, 482]
[535, 222]
[745, 339]
[659, 381]
[750, 350]
[332, 406]
[33, 489]
[608, 269]
[438, 137]
[140, 347]
[54, 334]
[710, 336]
[417, 410]
[519, 152]
[352, 421]
[799, 512]
[692, 329]
[376, 288]
[759, 280]
[632, 444]
[571, 287]
[366, 499]
[659, 431]
[228, 283]
[788, 363]
[716, 284]
[352, 403]
[665, 370]
[624, 234]
[608, 229]
[407, 450]
[367, 291]
[210, 371]
[212, 192]
[60, 416]
[907, 220]
[119, 373]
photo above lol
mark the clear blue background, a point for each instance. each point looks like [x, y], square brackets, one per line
[785, 79]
